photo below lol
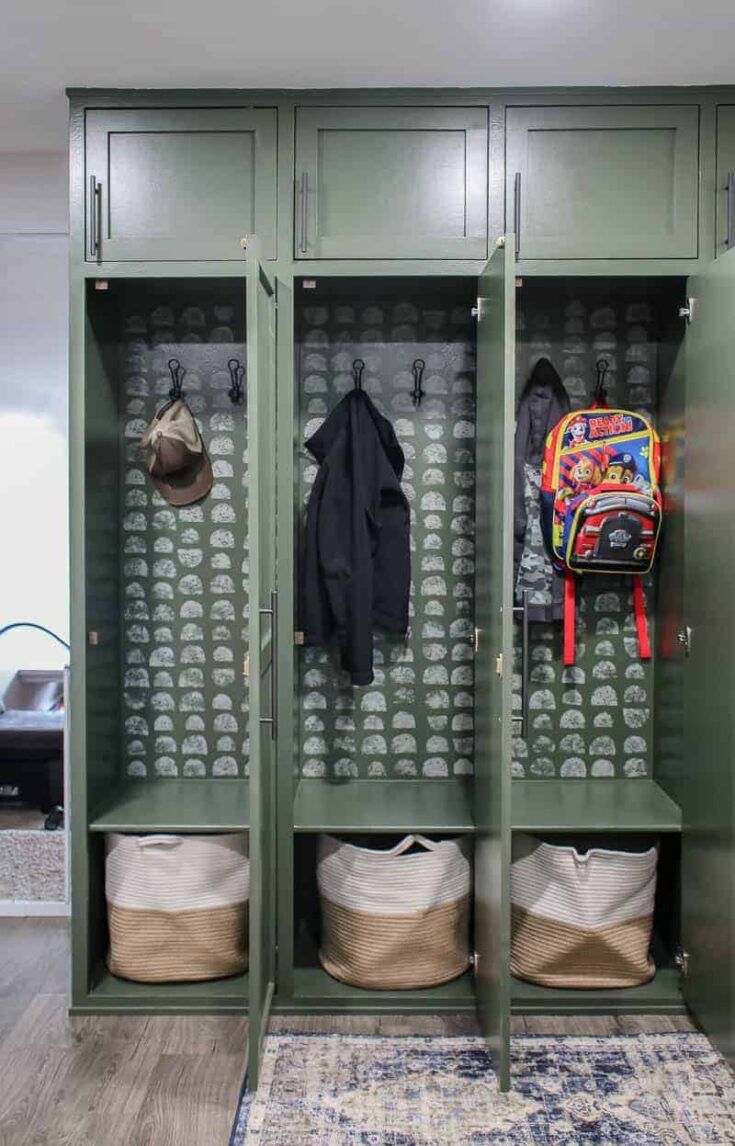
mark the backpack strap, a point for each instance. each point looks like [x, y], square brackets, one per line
[570, 617]
[641, 624]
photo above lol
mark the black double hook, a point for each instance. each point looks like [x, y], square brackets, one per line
[237, 373]
[417, 369]
[357, 368]
[176, 392]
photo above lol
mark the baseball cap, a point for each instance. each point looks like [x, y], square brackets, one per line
[178, 462]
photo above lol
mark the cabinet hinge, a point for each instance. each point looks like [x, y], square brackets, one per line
[684, 637]
[689, 309]
[93, 637]
[298, 637]
[246, 668]
[101, 284]
[499, 664]
[681, 961]
[477, 311]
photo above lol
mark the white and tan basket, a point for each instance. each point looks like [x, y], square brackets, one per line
[177, 906]
[394, 919]
[581, 921]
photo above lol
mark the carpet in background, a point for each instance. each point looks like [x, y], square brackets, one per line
[351, 1090]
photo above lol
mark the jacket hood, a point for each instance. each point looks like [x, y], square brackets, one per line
[359, 403]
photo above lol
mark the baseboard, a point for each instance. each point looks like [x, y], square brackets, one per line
[23, 907]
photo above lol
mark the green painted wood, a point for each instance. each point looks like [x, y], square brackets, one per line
[260, 318]
[383, 806]
[725, 166]
[593, 805]
[603, 182]
[182, 183]
[213, 805]
[288, 747]
[315, 991]
[661, 996]
[494, 646]
[708, 787]
[109, 994]
[391, 182]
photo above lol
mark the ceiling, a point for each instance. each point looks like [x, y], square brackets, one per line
[47, 45]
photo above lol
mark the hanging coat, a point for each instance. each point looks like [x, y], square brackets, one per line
[356, 568]
[544, 402]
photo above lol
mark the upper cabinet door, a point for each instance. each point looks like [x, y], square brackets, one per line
[179, 183]
[391, 183]
[603, 182]
[725, 178]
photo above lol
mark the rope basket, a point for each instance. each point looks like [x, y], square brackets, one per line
[394, 919]
[177, 906]
[581, 921]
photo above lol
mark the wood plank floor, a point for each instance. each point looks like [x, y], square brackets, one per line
[137, 1081]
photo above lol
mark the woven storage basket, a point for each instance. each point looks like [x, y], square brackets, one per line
[177, 906]
[581, 920]
[392, 920]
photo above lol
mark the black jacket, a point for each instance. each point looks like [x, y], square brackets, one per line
[356, 571]
[543, 403]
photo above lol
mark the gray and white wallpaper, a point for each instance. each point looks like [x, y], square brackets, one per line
[416, 718]
[592, 719]
[185, 570]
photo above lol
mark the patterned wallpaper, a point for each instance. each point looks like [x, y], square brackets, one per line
[592, 719]
[184, 571]
[416, 718]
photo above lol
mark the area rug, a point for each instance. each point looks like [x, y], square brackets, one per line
[349, 1090]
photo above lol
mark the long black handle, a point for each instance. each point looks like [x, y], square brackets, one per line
[522, 612]
[95, 217]
[517, 212]
[304, 191]
[272, 612]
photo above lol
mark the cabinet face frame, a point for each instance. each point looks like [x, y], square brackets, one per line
[596, 243]
[312, 127]
[258, 205]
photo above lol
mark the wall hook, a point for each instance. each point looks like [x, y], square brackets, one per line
[602, 369]
[418, 368]
[237, 373]
[357, 368]
[177, 374]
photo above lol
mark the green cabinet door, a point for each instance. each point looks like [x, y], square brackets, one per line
[725, 178]
[262, 624]
[603, 182]
[494, 648]
[179, 183]
[391, 183]
[708, 784]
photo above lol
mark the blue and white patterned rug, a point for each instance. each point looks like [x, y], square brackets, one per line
[349, 1090]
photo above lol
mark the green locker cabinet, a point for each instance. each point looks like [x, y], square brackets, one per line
[725, 224]
[179, 183]
[603, 182]
[391, 183]
[708, 781]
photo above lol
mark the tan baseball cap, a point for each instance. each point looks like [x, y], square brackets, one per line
[178, 462]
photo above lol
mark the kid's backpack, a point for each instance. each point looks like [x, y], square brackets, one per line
[601, 504]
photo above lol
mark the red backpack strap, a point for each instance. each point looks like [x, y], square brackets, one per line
[641, 624]
[570, 617]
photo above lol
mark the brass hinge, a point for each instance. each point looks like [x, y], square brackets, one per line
[499, 664]
[246, 668]
[298, 637]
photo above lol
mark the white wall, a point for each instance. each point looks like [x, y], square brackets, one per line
[33, 407]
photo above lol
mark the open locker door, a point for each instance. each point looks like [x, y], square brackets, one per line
[263, 621]
[494, 647]
[707, 787]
